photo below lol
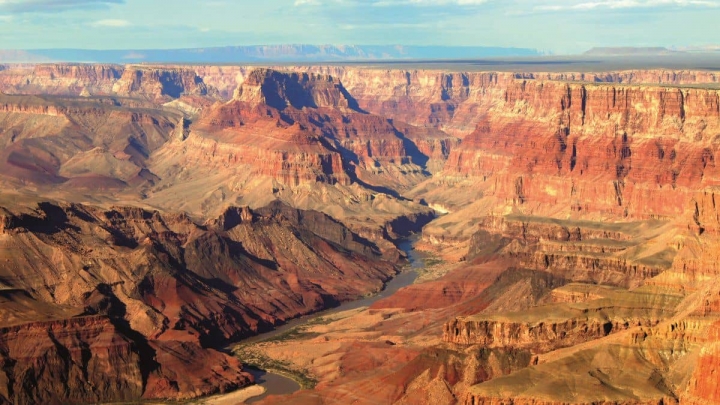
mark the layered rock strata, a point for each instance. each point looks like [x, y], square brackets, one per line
[146, 294]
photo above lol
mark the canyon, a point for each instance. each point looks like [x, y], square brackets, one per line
[155, 216]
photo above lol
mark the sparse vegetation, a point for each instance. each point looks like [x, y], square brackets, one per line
[434, 267]
[254, 357]
[293, 334]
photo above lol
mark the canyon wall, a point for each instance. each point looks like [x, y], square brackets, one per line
[141, 296]
[597, 149]
[62, 79]
[585, 200]
[453, 102]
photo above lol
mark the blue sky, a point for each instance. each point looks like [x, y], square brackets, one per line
[561, 26]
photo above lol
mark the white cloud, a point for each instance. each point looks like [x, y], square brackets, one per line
[386, 3]
[389, 3]
[520, 4]
[45, 6]
[442, 2]
[113, 23]
[624, 4]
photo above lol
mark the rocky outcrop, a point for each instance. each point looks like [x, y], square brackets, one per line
[470, 399]
[581, 251]
[61, 79]
[280, 90]
[594, 148]
[697, 260]
[542, 337]
[655, 76]
[702, 388]
[313, 131]
[79, 360]
[591, 199]
[155, 291]
[160, 83]
[104, 143]
[156, 84]
[226, 79]
[452, 102]
[302, 159]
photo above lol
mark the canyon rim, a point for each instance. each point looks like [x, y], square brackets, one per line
[445, 222]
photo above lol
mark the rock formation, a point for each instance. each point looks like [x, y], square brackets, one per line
[153, 214]
[60, 79]
[142, 295]
[159, 83]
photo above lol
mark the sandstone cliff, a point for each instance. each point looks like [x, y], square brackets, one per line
[594, 148]
[280, 90]
[80, 360]
[61, 79]
[151, 292]
[79, 142]
[579, 215]
[159, 84]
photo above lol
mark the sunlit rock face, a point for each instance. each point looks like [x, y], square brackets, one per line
[154, 214]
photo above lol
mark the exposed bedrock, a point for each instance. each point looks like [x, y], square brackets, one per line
[156, 84]
[153, 291]
[544, 336]
[588, 203]
[582, 251]
[159, 84]
[79, 360]
[594, 149]
[61, 79]
[80, 143]
[280, 90]
[470, 399]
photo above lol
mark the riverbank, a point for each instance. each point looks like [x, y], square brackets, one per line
[236, 397]
[251, 351]
[277, 377]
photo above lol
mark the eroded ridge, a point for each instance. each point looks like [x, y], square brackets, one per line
[155, 214]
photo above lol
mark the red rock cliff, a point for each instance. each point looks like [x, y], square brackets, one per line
[607, 149]
[159, 83]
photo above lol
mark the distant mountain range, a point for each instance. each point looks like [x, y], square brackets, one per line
[629, 51]
[261, 53]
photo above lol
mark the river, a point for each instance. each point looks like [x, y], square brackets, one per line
[276, 384]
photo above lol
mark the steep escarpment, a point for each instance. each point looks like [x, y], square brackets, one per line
[592, 151]
[702, 387]
[287, 152]
[61, 79]
[456, 102]
[622, 254]
[624, 346]
[452, 102]
[576, 232]
[160, 84]
[82, 359]
[596, 149]
[654, 76]
[696, 262]
[70, 141]
[325, 155]
[146, 294]
[280, 90]
[299, 138]
[557, 325]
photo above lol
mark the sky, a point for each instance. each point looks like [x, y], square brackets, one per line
[558, 26]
